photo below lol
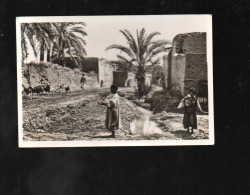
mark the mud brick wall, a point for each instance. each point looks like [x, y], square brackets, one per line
[196, 70]
[186, 64]
[105, 73]
[166, 70]
[190, 43]
[178, 72]
[34, 74]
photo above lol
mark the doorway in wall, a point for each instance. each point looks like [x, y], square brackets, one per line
[101, 84]
[203, 94]
[129, 83]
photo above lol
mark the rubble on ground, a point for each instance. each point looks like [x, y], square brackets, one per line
[75, 115]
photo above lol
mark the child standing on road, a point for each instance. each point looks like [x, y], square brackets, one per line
[112, 121]
[190, 104]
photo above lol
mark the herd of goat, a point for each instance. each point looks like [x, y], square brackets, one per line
[43, 89]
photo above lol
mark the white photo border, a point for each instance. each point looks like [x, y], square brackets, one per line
[112, 143]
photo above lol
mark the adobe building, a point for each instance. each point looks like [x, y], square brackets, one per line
[101, 68]
[105, 73]
[128, 79]
[124, 79]
[185, 66]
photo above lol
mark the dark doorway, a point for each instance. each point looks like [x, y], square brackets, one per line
[119, 78]
[203, 94]
[202, 89]
[129, 83]
[101, 84]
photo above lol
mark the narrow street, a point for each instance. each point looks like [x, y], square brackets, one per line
[79, 116]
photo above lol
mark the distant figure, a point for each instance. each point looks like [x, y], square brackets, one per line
[82, 81]
[190, 103]
[112, 121]
[67, 88]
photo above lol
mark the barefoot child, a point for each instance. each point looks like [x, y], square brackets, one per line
[112, 121]
[190, 104]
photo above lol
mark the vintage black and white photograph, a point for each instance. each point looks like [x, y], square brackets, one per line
[86, 81]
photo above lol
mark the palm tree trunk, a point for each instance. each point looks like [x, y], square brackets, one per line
[141, 81]
[48, 55]
[42, 52]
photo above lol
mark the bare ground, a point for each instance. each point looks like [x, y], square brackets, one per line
[79, 116]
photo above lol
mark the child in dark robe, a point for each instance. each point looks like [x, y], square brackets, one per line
[112, 121]
[190, 104]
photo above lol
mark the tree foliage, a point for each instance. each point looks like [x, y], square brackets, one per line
[139, 53]
[60, 40]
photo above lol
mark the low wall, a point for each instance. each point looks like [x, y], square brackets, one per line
[34, 74]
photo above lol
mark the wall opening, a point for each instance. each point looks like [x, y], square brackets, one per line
[202, 89]
[101, 84]
[119, 78]
[203, 94]
[129, 83]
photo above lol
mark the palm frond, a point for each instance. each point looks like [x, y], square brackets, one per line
[124, 49]
[80, 39]
[131, 40]
[156, 44]
[78, 30]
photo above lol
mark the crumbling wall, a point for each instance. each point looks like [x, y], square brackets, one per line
[190, 43]
[105, 73]
[186, 64]
[34, 74]
[196, 70]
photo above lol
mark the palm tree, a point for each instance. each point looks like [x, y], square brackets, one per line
[69, 41]
[139, 54]
[36, 33]
[58, 39]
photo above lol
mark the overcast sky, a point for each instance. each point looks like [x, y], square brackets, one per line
[104, 30]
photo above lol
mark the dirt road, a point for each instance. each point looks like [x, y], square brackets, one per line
[79, 116]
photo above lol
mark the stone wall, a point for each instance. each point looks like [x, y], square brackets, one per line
[105, 73]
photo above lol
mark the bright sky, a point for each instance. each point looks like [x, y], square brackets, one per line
[104, 30]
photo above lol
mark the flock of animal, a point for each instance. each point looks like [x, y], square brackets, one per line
[43, 89]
